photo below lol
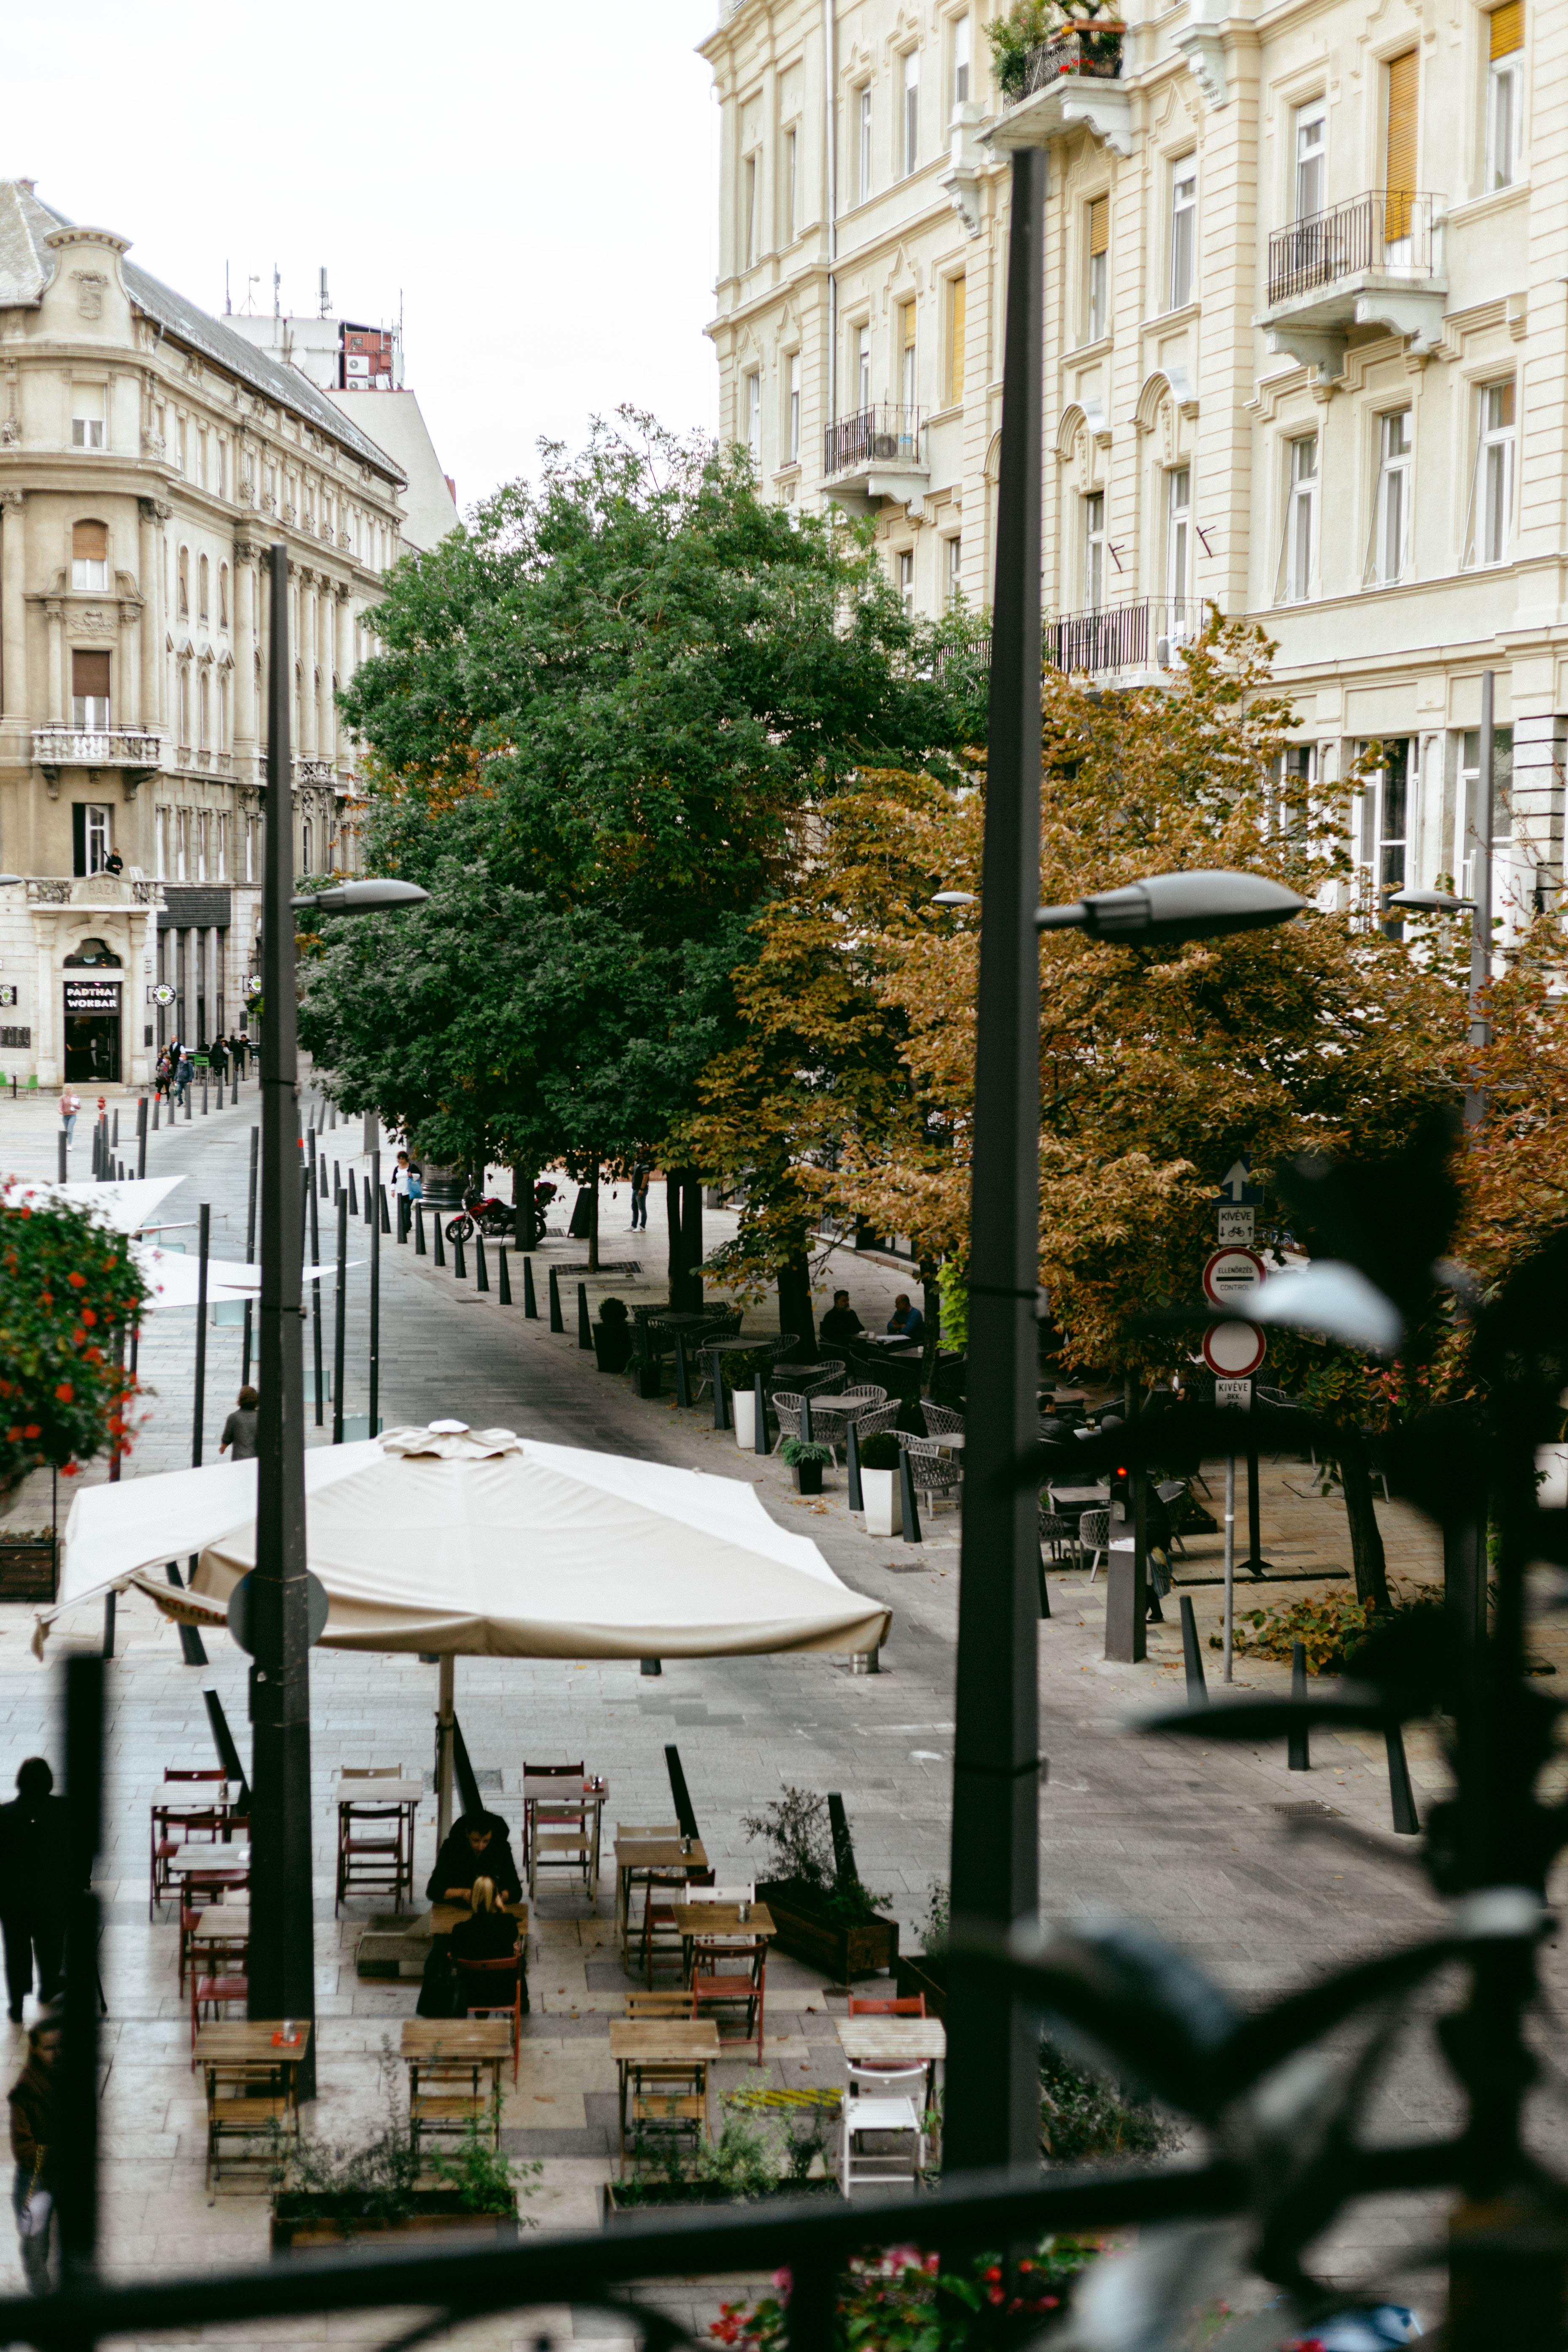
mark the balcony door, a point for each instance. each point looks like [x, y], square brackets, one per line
[89, 690]
[1399, 166]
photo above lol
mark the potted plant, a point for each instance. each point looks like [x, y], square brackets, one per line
[1030, 26]
[739, 1368]
[879, 1485]
[822, 1915]
[26, 1564]
[772, 2143]
[926, 1972]
[613, 1336]
[644, 1363]
[327, 2192]
[807, 1458]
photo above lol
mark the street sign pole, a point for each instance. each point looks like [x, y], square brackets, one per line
[1229, 1563]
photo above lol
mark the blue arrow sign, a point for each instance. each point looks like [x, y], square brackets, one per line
[1237, 1186]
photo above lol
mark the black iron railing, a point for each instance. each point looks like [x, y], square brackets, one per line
[1150, 633]
[1094, 56]
[887, 435]
[1386, 229]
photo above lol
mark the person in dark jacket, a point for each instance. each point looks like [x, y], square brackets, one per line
[479, 1845]
[32, 2098]
[841, 1322]
[36, 1881]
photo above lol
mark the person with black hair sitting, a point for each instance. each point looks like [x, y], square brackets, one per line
[477, 1845]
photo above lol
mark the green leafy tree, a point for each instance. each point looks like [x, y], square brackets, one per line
[68, 1297]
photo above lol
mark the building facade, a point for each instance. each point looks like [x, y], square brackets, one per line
[147, 458]
[1305, 348]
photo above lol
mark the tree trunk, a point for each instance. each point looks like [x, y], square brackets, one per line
[594, 1219]
[932, 1307]
[794, 1304]
[521, 1208]
[672, 1223]
[691, 1239]
[1366, 1536]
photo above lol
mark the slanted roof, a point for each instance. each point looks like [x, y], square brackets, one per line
[27, 266]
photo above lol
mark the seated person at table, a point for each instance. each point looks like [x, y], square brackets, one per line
[841, 1322]
[905, 1318]
[488, 1933]
[477, 1846]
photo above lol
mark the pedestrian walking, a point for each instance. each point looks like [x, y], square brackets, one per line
[217, 1059]
[183, 1076]
[36, 1881]
[237, 1047]
[639, 1197]
[69, 1106]
[239, 1429]
[32, 2139]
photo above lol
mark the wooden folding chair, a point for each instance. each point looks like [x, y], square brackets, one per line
[726, 1975]
[375, 1845]
[483, 1999]
[248, 2100]
[441, 2107]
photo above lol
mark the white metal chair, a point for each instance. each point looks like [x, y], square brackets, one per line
[898, 2116]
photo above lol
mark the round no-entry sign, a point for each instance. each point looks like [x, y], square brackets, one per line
[1231, 1274]
[1233, 1351]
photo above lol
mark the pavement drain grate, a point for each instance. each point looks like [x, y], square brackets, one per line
[1305, 1807]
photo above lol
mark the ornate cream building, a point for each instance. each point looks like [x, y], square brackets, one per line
[1306, 334]
[149, 454]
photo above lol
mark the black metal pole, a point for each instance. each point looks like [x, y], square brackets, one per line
[993, 2098]
[281, 1974]
[142, 1138]
[250, 1249]
[1191, 1656]
[203, 1245]
[316, 1277]
[1481, 892]
[1298, 1742]
[76, 2178]
[374, 1299]
[340, 1318]
[63, 1159]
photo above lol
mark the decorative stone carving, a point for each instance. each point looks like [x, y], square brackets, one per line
[90, 288]
[93, 623]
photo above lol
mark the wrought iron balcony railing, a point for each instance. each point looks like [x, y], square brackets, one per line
[1091, 54]
[884, 436]
[94, 747]
[1147, 633]
[1385, 229]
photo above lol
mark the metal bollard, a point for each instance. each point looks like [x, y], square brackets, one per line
[504, 1289]
[420, 1229]
[460, 1269]
[584, 1328]
[852, 1465]
[1298, 1742]
[481, 1271]
[910, 1509]
[440, 1252]
[760, 1414]
[1191, 1656]
[1402, 1796]
[529, 1298]
[557, 1320]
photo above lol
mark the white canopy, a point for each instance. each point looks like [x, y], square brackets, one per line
[173, 1277]
[127, 1207]
[485, 1544]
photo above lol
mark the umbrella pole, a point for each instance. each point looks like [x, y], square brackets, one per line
[446, 1716]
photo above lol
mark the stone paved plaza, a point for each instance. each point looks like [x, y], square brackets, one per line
[1187, 1838]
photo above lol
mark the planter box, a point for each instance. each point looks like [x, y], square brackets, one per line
[661, 2196]
[612, 1346]
[301, 2219]
[918, 1972]
[806, 1932]
[744, 1405]
[808, 1476]
[27, 1571]
[884, 1504]
[646, 1380]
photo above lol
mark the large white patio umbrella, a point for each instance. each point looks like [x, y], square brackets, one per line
[484, 1544]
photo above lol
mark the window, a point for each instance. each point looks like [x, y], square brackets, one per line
[1301, 519]
[185, 712]
[1312, 159]
[792, 183]
[86, 417]
[220, 466]
[203, 721]
[1391, 522]
[305, 864]
[748, 212]
[1184, 222]
[1494, 473]
[1094, 550]
[863, 368]
[90, 556]
[161, 845]
[1505, 93]
[911, 110]
[1178, 529]
[960, 60]
[202, 456]
[954, 548]
[755, 416]
[222, 847]
[90, 693]
[184, 583]
[1399, 167]
[182, 843]
[250, 849]
[907, 378]
[863, 159]
[956, 311]
[792, 420]
[223, 595]
[204, 826]
[907, 578]
[224, 743]
[1096, 282]
[91, 841]
[1470, 796]
[182, 453]
[1392, 815]
[203, 581]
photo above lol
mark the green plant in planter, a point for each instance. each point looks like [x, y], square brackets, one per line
[880, 1451]
[758, 2149]
[796, 1830]
[615, 1312]
[486, 2180]
[741, 1365]
[1028, 25]
[377, 2179]
[797, 1450]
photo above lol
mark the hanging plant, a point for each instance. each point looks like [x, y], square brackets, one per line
[67, 1290]
[1031, 25]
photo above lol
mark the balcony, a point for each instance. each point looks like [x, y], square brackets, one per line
[1144, 637]
[880, 452]
[95, 746]
[1072, 81]
[1376, 261]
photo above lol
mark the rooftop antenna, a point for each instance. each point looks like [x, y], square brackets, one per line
[326, 297]
[227, 305]
[251, 283]
[277, 286]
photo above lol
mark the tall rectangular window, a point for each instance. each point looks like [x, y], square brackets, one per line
[911, 124]
[1312, 159]
[89, 690]
[1394, 819]
[91, 837]
[754, 418]
[1495, 471]
[86, 417]
[962, 58]
[222, 847]
[161, 845]
[1403, 83]
[1098, 270]
[1178, 530]
[956, 305]
[1392, 522]
[1505, 93]
[791, 184]
[863, 144]
[90, 556]
[907, 578]
[748, 212]
[1301, 519]
[863, 368]
[1184, 225]
[907, 376]
[1471, 803]
[1094, 550]
[792, 420]
[954, 551]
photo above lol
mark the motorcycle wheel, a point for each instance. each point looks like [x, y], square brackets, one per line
[462, 1229]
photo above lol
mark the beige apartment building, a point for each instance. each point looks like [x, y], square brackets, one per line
[149, 454]
[1306, 327]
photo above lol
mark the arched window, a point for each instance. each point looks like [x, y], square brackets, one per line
[223, 595]
[90, 556]
[184, 583]
[202, 579]
[185, 706]
[204, 711]
[223, 741]
[91, 951]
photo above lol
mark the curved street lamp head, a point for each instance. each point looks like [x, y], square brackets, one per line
[368, 897]
[950, 898]
[1170, 908]
[1426, 902]
[11, 877]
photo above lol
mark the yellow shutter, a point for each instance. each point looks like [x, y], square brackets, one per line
[955, 309]
[1100, 224]
[1507, 28]
[906, 325]
[1399, 179]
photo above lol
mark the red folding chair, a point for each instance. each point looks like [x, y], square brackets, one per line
[482, 1999]
[194, 1824]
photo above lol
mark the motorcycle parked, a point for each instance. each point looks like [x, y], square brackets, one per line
[495, 1218]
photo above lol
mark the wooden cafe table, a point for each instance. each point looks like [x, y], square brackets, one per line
[895, 2042]
[445, 2049]
[252, 2081]
[723, 1921]
[662, 1855]
[661, 2041]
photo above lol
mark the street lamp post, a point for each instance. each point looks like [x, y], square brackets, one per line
[281, 1971]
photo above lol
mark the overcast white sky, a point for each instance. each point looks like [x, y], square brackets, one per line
[538, 182]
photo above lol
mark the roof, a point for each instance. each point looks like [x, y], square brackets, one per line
[26, 267]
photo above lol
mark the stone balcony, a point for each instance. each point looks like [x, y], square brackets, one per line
[128, 752]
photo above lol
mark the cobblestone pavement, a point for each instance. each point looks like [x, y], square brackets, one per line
[1190, 1839]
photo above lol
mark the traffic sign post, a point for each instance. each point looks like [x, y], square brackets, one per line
[1232, 1274]
[1237, 1225]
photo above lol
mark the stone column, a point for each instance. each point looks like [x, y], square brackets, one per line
[343, 655]
[12, 604]
[125, 710]
[151, 583]
[245, 557]
[45, 1050]
[327, 712]
[307, 650]
[55, 615]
